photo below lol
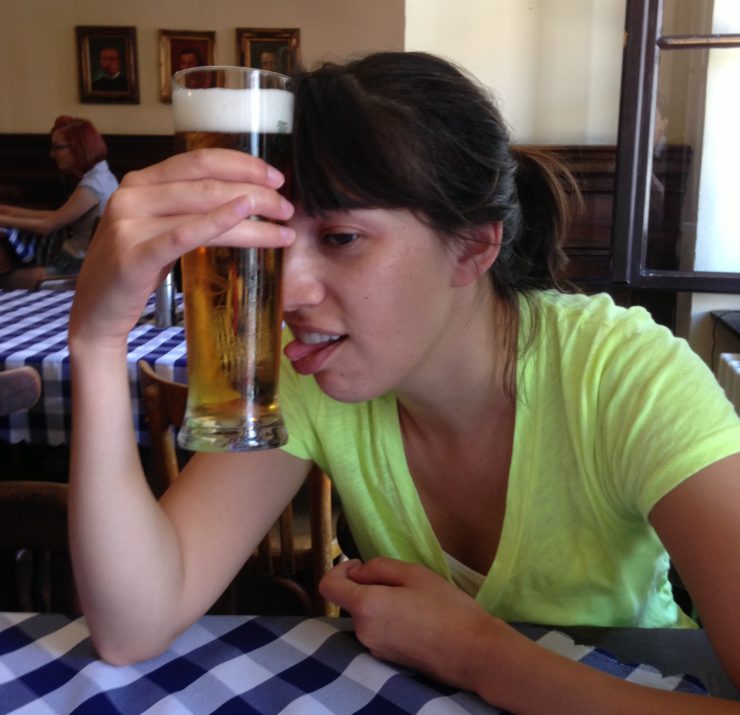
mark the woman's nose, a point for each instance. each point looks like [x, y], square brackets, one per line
[302, 286]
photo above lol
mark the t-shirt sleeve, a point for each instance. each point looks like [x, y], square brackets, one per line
[662, 416]
[101, 183]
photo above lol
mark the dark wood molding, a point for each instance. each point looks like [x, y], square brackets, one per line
[28, 177]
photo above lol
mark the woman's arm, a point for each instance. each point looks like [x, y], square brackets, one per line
[8, 210]
[43, 222]
[146, 570]
[699, 523]
[408, 615]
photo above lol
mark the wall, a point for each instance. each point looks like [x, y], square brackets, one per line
[553, 65]
[698, 326]
[39, 59]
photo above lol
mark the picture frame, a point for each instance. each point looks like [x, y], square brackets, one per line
[180, 49]
[107, 64]
[264, 48]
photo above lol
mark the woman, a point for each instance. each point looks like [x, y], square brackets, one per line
[38, 244]
[502, 450]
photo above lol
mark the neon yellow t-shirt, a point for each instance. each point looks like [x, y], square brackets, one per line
[612, 412]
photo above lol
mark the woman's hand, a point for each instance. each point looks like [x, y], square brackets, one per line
[161, 212]
[406, 614]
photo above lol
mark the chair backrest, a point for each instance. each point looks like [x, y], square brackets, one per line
[34, 549]
[61, 283]
[297, 551]
[20, 388]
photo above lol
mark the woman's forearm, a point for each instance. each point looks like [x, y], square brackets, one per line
[124, 548]
[42, 223]
[19, 212]
[531, 679]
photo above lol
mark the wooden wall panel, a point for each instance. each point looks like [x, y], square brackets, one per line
[28, 177]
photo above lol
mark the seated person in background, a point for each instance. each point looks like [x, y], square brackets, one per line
[36, 244]
[503, 450]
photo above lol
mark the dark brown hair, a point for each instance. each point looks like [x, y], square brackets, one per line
[85, 142]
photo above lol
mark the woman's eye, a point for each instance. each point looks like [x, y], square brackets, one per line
[340, 238]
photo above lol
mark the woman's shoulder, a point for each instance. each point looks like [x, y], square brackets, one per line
[577, 333]
[101, 182]
[100, 173]
[578, 313]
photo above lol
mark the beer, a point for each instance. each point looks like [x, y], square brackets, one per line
[233, 296]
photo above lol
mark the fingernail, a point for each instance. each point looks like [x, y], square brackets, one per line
[244, 206]
[286, 234]
[286, 206]
[274, 176]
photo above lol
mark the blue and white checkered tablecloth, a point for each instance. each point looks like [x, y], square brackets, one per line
[242, 664]
[33, 331]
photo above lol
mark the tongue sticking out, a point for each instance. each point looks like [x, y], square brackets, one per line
[308, 358]
[296, 350]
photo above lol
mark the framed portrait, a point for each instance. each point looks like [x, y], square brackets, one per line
[179, 50]
[269, 49]
[107, 65]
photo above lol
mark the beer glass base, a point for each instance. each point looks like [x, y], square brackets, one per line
[198, 436]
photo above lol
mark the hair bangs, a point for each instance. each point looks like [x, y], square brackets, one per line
[345, 143]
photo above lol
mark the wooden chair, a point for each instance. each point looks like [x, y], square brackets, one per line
[298, 550]
[35, 569]
[62, 282]
[34, 548]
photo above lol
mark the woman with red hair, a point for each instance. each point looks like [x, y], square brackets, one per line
[38, 243]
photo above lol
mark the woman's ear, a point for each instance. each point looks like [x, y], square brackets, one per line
[476, 253]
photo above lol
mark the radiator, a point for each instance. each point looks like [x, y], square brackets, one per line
[728, 375]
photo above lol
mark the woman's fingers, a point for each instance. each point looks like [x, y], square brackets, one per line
[226, 164]
[196, 197]
[208, 197]
[338, 587]
[227, 225]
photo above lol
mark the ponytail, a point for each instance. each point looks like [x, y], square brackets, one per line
[532, 257]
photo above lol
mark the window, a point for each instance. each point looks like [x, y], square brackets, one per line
[678, 150]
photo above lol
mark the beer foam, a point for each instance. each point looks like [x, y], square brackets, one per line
[233, 110]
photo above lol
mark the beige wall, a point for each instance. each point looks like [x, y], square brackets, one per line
[554, 65]
[39, 61]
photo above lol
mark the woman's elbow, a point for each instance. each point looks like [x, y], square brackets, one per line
[127, 643]
[126, 651]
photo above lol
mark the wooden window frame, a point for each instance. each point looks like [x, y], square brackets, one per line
[643, 42]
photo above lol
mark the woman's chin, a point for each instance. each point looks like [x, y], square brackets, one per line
[340, 388]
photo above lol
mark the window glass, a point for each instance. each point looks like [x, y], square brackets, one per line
[691, 214]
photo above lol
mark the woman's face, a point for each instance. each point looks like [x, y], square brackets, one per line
[369, 297]
[61, 152]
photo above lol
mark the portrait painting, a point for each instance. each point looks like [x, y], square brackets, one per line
[269, 49]
[107, 65]
[182, 49]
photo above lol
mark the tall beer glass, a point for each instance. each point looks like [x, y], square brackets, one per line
[233, 296]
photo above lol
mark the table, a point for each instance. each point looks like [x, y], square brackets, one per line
[730, 319]
[263, 664]
[33, 331]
